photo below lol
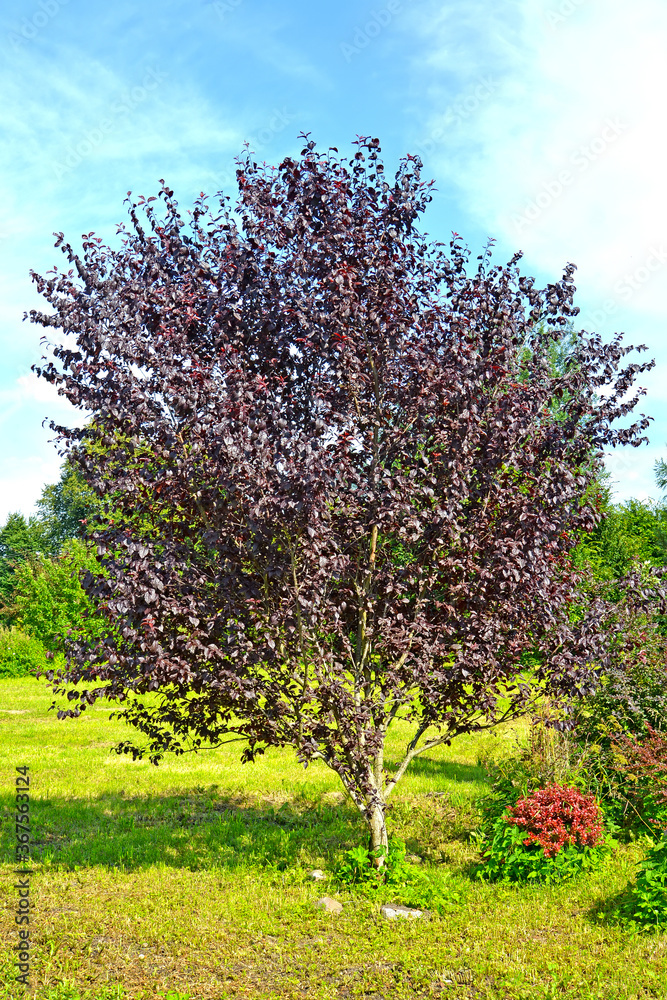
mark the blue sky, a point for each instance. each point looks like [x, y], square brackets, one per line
[542, 122]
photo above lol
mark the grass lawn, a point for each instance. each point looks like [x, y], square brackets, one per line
[190, 880]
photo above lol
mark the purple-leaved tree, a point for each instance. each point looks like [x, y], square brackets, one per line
[342, 479]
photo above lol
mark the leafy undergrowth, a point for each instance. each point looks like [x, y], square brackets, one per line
[191, 881]
[390, 876]
[551, 835]
[644, 905]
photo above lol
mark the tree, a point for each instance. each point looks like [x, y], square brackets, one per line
[65, 508]
[19, 538]
[634, 530]
[28, 543]
[48, 601]
[342, 494]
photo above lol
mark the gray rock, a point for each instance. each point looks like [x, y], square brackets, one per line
[317, 875]
[392, 911]
[329, 905]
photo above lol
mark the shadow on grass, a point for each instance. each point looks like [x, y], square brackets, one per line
[193, 830]
[446, 770]
[203, 828]
[607, 912]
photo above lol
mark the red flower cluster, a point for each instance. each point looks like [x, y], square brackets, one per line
[556, 816]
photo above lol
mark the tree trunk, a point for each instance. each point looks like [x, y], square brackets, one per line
[378, 826]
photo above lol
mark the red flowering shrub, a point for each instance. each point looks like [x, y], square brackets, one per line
[558, 815]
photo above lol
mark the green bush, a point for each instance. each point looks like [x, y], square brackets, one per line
[20, 654]
[631, 697]
[629, 705]
[19, 539]
[49, 601]
[633, 531]
[642, 767]
[646, 908]
[397, 880]
[509, 859]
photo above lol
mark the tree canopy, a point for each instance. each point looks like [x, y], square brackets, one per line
[65, 507]
[48, 602]
[20, 537]
[30, 545]
[346, 480]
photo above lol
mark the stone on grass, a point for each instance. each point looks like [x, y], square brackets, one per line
[392, 911]
[317, 875]
[329, 905]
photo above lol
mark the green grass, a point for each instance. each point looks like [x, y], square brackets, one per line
[190, 881]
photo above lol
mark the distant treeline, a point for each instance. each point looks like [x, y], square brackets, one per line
[41, 561]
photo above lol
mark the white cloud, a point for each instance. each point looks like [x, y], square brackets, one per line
[34, 389]
[28, 456]
[78, 134]
[22, 481]
[563, 159]
[632, 472]
[30, 389]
